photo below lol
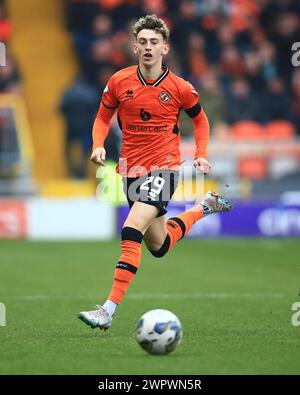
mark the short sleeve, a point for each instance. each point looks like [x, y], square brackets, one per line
[190, 99]
[109, 98]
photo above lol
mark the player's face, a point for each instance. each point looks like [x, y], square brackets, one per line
[150, 47]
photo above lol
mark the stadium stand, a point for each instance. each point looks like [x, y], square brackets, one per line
[236, 53]
[16, 149]
[230, 51]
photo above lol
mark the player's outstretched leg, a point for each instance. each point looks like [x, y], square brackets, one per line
[139, 218]
[178, 227]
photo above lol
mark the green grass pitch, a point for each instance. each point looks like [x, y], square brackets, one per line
[233, 297]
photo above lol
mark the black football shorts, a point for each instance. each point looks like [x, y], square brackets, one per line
[155, 188]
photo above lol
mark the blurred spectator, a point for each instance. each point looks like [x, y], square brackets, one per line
[9, 76]
[231, 65]
[100, 57]
[185, 24]
[296, 99]
[127, 11]
[225, 36]
[197, 63]
[267, 54]
[110, 4]
[101, 28]
[242, 104]
[80, 13]
[79, 105]
[272, 9]
[212, 99]
[253, 72]
[158, 7]
[277, 101]
[5, 24]
[103, 76]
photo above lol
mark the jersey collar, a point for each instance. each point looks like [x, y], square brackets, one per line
[156, 82]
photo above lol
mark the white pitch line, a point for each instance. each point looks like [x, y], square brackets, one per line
[32, 297]
[211, 295]
[204, 296]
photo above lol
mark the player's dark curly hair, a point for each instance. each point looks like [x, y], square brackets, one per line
[151, 22]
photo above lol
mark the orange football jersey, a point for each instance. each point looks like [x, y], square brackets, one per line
[148, 115]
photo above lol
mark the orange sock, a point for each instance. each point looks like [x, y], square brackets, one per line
[177, 228]
[128, 263]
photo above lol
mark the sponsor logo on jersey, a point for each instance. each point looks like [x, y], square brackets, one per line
[145, 116]
[146, 128]
[129, 94]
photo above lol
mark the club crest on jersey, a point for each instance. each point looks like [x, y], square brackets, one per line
[164, 97]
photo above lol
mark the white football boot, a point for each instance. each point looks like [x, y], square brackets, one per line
[98, 318]
[214, 203]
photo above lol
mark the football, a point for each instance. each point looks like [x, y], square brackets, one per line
[159, 332]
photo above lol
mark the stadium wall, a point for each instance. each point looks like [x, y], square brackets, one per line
[56, 219]
[89, 219]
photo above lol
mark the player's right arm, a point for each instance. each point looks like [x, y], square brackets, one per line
[108, 105]
[100, 132]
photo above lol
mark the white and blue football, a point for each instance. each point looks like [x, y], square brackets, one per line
[159, 332]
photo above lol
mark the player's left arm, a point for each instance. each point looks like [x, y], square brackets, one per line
[201, 128]
[201, 132]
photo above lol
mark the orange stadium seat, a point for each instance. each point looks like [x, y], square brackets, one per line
[280, 130]
[255, 168]
[248, 130]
